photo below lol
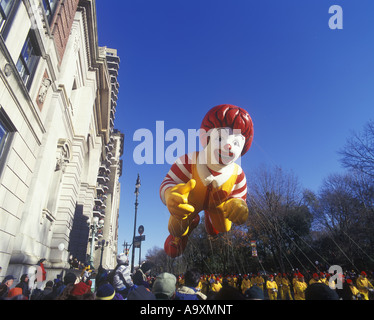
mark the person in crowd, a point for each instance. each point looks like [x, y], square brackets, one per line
[205, 285]
[216, 286]
[75, 263]
[140, 277]
[315, 279]
[228, 292]
[105, 291]
[246, 284]
[272, 288]
[294, 279]
[79, 291]
[180, 280]
[286, 288]
[364, 285]
[164, 286]
[299, 287]
[323, 279]
[48, 289]
[24, 285]
[41, 265]
[259, 280]
[188, 290]
[253, 279]
[278, 280]
[140, 293]
[254, 293]
[6, 285]
[355, 294]
[16, 294]
[200, 285]
[319, 291]
[101, 277]
[86, 273]
[120, 277]
[59, 286]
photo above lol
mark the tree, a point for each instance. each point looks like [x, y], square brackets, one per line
[342, 213]
[276, 203]
[358, 153]
[161, 261]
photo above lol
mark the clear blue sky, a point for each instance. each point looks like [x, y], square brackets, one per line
[306, 86]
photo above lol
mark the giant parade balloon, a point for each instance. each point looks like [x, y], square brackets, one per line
[209, 180]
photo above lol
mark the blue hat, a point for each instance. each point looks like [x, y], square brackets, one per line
[319, 291]
[140, 293]
[254, 293]
[105, 292]
[10, 277]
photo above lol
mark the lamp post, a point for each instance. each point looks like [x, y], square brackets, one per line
[102, 244]
[94, 225]
[137, 186]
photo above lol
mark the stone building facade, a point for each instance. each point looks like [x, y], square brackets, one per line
[58, 95]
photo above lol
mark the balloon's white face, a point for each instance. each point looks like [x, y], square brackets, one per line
[225, 146]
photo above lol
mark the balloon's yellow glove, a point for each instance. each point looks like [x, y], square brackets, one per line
[176, 199]
[235, 210]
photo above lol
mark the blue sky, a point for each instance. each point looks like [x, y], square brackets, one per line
[305, 86]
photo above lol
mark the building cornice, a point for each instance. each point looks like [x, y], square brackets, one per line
[98, 64]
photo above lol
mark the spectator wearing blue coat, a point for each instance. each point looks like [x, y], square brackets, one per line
[188, 291]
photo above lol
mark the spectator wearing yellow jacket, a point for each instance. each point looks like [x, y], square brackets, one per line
[294, 279]
[356, 295]
[260, 281]
[272, 288]
[231, 280]
[246, 284]
[323, 279]
[315, 279]
[278, 279]
[216, 286]
[235, 281]
[200, 285]
[205, 285]
[300, 287]
[363, 285]
[286, 288]
[253, 279]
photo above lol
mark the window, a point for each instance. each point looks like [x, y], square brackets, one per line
[3, 136]
[5, 6]
[49, 8]
[27, 60]
[6, 129]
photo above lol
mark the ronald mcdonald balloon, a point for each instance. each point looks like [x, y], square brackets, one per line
[209, 180]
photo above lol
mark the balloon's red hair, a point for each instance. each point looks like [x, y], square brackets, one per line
[229, 116]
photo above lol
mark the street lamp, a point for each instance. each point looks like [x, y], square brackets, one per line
[94, 225]
[102, 244]
[137, 186]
